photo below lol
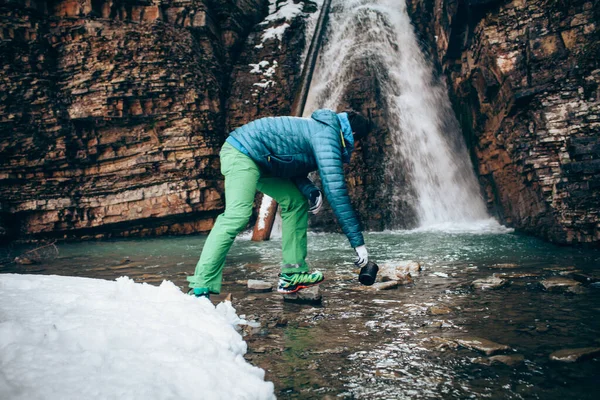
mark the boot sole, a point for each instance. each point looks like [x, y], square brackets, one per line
[300, 287]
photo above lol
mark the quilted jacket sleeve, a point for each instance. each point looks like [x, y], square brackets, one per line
[327, 148]
[305, 185]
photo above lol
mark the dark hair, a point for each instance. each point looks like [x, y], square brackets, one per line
[359, 124]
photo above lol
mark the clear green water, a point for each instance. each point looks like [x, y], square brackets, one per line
[376, 345]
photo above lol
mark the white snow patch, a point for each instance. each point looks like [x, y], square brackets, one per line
[80, 338]
[287, 10]
[274, 32]
[257, 68]
[264, 83]
[284, 11]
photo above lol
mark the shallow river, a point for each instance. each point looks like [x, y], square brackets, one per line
[398, 343]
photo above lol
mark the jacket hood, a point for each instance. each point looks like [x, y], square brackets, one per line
[340, 123]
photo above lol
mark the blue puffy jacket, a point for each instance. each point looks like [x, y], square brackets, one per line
[291, 147]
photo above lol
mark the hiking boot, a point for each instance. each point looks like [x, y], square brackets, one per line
[199, 292]
[291, 283]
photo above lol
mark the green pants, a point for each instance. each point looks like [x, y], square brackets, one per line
[242, 179]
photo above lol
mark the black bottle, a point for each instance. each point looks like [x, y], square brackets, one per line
[368, 273]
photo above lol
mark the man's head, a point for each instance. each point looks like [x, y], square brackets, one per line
[359, 124]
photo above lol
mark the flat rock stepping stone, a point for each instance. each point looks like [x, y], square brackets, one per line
[311, 295]
[257, 286]
[490, 283]
[486, 346]
[574, 355]
[559, 284]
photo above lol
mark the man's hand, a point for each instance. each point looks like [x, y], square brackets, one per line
[362, 256]
[315, 202]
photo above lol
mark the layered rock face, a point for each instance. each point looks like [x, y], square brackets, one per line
[111, 115]
[524, 80]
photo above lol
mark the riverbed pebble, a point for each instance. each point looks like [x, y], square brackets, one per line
[438, 310]
[257, 286]
[574, 355]
[510, 360]
[505, 265]
[559, 284]
[586, 278]
[377, 286]
[516, 275]
[484, 345]
[490, 283]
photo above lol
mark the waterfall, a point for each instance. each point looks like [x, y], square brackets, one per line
[427, 145]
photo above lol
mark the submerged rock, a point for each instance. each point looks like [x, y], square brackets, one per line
[438, 310]
[560, 284]
[486, 346]
[516, 275]
[377, 286]
[574, 355]
[505, 266]
[440, 343]
[309, 295]
[586, 278]
[492, 282]
[384, 285]
[510, 360]
[24, 261]
[257, 286]
[559, 269]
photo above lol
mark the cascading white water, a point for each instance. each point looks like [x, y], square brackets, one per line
[426, 139]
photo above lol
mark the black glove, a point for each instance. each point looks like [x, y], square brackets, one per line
[315, 201]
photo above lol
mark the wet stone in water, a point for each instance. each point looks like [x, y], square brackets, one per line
[24, 261]
[259, 286]
[308, 295]
[492, 282]
[517, 275]
[384, 285]
[542, 328]
[438, 310]
[505, 266]
[510, 360]
[376, 286]
[399, 272]
[574, 355]
[486, 346]
[558, 284]
[586, 278]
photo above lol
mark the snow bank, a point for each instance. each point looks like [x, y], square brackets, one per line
[79, 338]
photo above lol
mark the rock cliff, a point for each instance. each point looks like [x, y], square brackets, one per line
[112, 112]
[523, 77]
